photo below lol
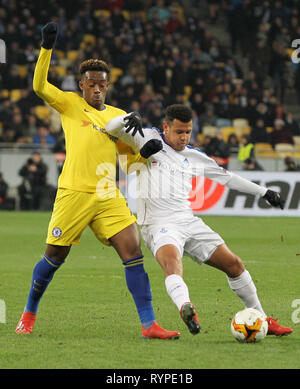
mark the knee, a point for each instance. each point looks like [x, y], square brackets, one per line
[236, 267]
[57, 253]
[171, 265]
[130, 251]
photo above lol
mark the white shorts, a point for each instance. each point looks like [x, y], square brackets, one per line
[194, 239]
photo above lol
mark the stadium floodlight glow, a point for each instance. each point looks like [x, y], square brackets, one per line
[2, 51]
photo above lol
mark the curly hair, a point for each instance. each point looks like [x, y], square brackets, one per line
[180, 112]
[94, 64]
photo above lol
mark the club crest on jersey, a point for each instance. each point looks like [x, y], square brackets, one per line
[163, 230]
[56, 232]
[186, 162]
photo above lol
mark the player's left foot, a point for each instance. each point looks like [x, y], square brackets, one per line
[26, 323]
[157, 332]
[276, 329]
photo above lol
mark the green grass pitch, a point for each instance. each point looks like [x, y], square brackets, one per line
[87, 318]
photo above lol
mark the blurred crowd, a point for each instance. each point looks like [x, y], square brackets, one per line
[161, 52]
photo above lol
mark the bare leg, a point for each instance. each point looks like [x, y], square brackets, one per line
[127, 243]
[225, 260]
[238, 277]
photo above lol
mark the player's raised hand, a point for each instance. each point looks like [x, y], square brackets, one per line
[134, 122]
[151, 147]
[274, 199]
[49, 34]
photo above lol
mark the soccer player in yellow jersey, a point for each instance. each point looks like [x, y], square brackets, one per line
[87, 194]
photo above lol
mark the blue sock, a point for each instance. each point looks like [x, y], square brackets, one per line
[43, 273]
[139, 285]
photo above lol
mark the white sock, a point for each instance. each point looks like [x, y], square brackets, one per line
[244, 287]
[177, 290]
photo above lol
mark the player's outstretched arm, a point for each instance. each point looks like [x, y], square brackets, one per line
[243, 185]
[236, 182]
[46, 91]
[274, 198]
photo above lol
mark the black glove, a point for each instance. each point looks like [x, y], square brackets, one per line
[274, 199]
[49, 34]
[153, 146]
[134, 121]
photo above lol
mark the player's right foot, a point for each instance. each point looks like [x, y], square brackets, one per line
[275, 328]
[189, 315]
[26, 323]
[157, 332]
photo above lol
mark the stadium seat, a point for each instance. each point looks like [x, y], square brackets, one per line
[22, 70]
[289, 51]
[4, 93]
[221, 122]
[263, 146]
[61, 70]
[60, 54]
[143, 15]
[227, 131]
[42, 111]
[126, 14]
[209, 130]
[200, 138]
[240, 123]
[267, 154]
[246, 131]
[115, 73]
[89, 38]
[284, 147]
[102, 12]
[187, 92]
[241, 126]
[297, 142]
[15, 95]
[72, 55]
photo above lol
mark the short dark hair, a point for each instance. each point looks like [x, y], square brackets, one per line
[180, 112]
[94, 64]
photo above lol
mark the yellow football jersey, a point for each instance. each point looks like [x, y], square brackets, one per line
[90, 151]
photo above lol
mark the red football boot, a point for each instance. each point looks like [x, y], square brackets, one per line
[189, 315]
[157, 332]
[276, 329]
[26, 323]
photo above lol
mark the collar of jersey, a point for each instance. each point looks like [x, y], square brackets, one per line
[97, 109]
[163, 138]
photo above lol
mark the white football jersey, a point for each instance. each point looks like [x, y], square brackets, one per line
[164, 182]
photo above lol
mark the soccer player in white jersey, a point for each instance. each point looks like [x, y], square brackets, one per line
[168, 225]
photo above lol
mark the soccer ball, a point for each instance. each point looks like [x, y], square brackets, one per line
[249, 326]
